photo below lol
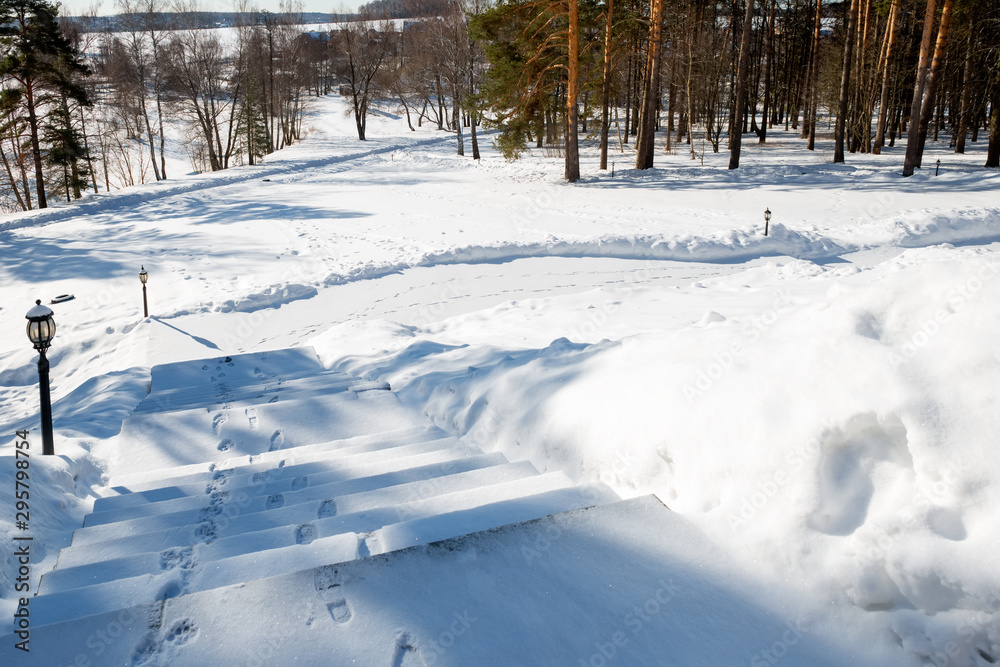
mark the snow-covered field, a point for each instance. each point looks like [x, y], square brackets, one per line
[819, 405]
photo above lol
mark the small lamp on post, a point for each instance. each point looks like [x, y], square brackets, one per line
[767, 220]
[937, 170]
[41, 331]
[143, 277]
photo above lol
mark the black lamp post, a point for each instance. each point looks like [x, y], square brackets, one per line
[41, 331]
[143, 277]
[938, 168]
[767, 220]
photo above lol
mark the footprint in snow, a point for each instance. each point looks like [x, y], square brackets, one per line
[339, 611]
[182, 632]
[277, 440]
[251, 414]
[226, 445]
[305, 533]
[218, 420]
[406, 653]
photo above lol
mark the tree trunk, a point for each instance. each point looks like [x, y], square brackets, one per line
[913, 136]
[572, 114]
[736, 140]
[965, 108]
[883, 111]
[769, 54]
[809, 123]
[457, 121]
[606, 88]
[845, 83]
[934, 79]
[474, 137]
[650, 89]
[993, 154]
[36, 149]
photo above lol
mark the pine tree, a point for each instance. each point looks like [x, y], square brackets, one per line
[39, 69]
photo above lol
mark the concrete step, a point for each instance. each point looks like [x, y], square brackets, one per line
[187, 577]
[355, 512]
[224, 526]
[239, 368]
[339, 469]
[153, 442]
[249, 502]
[255, 471]
[229, 394]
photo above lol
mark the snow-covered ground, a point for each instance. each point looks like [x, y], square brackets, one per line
[818, 406]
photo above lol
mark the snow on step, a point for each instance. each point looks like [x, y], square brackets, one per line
[233, 516]
[229, 395]
[269, 482]
[289, 474]
[238, 368]
[475, 468]
[454, 524]
[264, 492]
[182, 579]
[188, 576]
[409, 501]
[154, 441]
[138, 488]
[502, 590]
[79, 554]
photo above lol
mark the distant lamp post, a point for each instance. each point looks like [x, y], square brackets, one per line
[143, 277]
[767, 220]
[41, 331]
[938, 168]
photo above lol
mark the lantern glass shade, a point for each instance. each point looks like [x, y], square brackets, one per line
[41, 326]
[143, 276]
[767, 214]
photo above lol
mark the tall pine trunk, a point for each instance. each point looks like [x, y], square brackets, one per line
[845, 84]
[883, 110]
[572, 114]
[965, 107]
[993, 154]
[736, 140]
[934, 79]
[809, 122]
[606, 88]
[913, 135]
[769, 54]
[650, 89]
[36, 149]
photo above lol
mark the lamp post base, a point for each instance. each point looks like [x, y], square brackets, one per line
[46, 405]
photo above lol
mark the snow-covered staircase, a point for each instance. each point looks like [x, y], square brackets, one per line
[254, 466]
